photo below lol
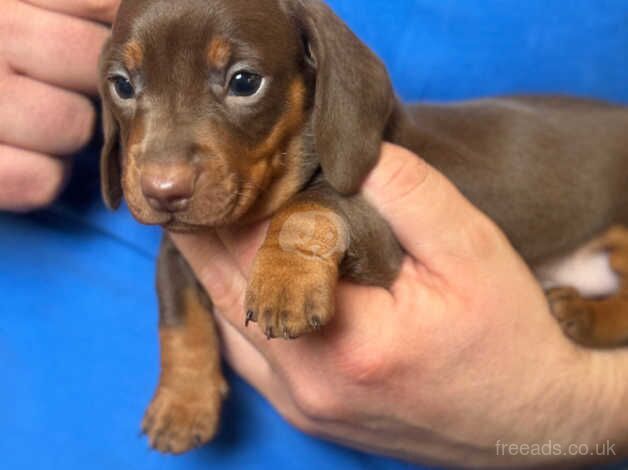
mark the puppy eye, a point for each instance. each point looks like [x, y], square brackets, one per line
[245, 83]
[124, 88]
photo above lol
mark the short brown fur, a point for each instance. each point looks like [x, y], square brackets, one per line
[551, 171]
[600, 323]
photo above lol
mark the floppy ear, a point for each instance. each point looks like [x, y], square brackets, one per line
[354, 97]
[110, 169]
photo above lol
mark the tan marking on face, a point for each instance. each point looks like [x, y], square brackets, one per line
[285, 147]
[287, 171]
[132, 55]
[268, 174]
[132, 174]
[218, 52]
[290, 122]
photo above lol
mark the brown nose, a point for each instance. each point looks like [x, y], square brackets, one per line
[168, 188]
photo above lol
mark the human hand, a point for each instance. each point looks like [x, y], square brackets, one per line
[48, 62]
[460, 355]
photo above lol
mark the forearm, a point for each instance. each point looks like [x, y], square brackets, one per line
[593, 416]
[613, 380]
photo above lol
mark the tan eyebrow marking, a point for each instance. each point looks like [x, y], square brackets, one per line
[133, 55]
[218, 52]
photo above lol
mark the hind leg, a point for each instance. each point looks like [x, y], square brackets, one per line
[185, 410]
[600, 323]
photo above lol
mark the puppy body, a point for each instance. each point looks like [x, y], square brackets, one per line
[226, 112]
[551, 171]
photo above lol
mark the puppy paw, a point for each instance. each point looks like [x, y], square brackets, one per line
[573, 313]
[290, 295]
[616, 243]
[178, 421]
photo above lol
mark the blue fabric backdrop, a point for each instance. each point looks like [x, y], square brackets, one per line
[78, 332]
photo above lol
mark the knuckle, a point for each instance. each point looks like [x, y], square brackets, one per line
[315, 401]
[79, 121]
[227, 294]
[367, 365]
[41, 198]
[36, 188]
[483, 238]
[410, 178]
[47, 188]
[400, 176]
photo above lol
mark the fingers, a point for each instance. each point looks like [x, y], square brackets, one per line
[426, 211]
[42, 118]
[29, 180]
[53, 48]
[97, 10]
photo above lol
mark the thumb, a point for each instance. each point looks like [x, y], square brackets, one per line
[428, 214]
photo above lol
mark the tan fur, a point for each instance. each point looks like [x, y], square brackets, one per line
[598, 322]
[185, 410]
[218, 53]
[273, 169]
[291, 289]
[133, 55]
[284, 145]
[290, 122]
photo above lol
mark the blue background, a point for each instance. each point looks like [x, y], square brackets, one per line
[78, 324]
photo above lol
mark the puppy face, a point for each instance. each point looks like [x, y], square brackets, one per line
[209, 114]
[213, 109]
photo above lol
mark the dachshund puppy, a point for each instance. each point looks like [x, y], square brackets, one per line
[226, 112]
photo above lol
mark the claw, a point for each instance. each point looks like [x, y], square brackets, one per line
[315, 322]
[286, 335]
[198, 441]
[249, 317]
[146, 425]
[269, 333]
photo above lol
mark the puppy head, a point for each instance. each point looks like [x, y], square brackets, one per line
[219, 111]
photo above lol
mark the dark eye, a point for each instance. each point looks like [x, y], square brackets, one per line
[245, 84]
[124, 88]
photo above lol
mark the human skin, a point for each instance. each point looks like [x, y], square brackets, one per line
[459, 355]
[48, 67]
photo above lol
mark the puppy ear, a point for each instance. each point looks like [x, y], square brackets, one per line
[354, 97]
[110, 169]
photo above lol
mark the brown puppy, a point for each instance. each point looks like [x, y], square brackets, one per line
[224, 112]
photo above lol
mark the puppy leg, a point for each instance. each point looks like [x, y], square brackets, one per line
[185, 410]
[597, 322]
[310, 243]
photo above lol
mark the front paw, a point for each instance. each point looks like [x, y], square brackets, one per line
[573, 314]
[290, 295]
[178, 421]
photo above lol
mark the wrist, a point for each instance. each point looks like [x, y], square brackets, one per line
[599, 411]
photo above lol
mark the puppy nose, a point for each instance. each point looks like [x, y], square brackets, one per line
[168, 188]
